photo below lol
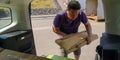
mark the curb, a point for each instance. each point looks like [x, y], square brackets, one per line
[41, 16]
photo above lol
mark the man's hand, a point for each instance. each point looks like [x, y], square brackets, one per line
[88, 39]
[58, 31]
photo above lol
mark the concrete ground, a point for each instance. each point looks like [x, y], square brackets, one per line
[45, 38]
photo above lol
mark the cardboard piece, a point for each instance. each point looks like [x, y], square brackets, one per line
[72, 42]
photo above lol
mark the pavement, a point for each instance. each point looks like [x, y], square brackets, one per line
[44, 36]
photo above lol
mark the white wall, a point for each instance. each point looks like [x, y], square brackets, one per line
[83, 4]
[100, 11]
[91, 7]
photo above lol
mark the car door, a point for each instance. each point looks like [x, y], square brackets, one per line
[15, 26]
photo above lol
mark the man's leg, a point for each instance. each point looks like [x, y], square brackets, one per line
[77, 54]
[77, 57]
[63, 52]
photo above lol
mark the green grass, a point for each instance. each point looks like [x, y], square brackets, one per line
[42, 4]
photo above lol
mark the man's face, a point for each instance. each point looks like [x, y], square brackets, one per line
[72, 14]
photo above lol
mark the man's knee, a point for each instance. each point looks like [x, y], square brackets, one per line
[77, 52]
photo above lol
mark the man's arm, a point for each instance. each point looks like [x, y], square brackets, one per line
[89, 31]
[57, 31]
[56, 25]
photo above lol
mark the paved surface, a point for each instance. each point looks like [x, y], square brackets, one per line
[45, 38]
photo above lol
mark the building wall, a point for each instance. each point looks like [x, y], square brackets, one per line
[91, 7]
[83, 4]
[100, 11]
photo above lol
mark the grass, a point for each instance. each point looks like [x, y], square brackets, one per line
[42, 4]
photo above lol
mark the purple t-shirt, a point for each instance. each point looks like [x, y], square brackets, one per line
[67, 26]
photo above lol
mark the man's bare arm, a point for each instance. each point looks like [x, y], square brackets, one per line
[89, 31]
[57, 31]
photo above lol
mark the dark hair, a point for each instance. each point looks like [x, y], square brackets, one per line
[75, 5]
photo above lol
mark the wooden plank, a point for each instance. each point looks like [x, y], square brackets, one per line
[72, 42]
[9, 54]
[92, 17]
[96, 18]
[1, 49]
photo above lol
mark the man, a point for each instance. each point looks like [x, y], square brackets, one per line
[68, 21]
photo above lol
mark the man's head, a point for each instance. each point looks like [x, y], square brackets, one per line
[73, 9]
[73, 4]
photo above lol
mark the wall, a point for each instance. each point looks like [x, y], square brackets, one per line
[100, 11]
[91, 7]
[83, 4]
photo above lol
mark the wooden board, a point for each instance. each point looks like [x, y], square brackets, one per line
[96, 18]
[72, 42]
[1, 49]
[14, 55]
